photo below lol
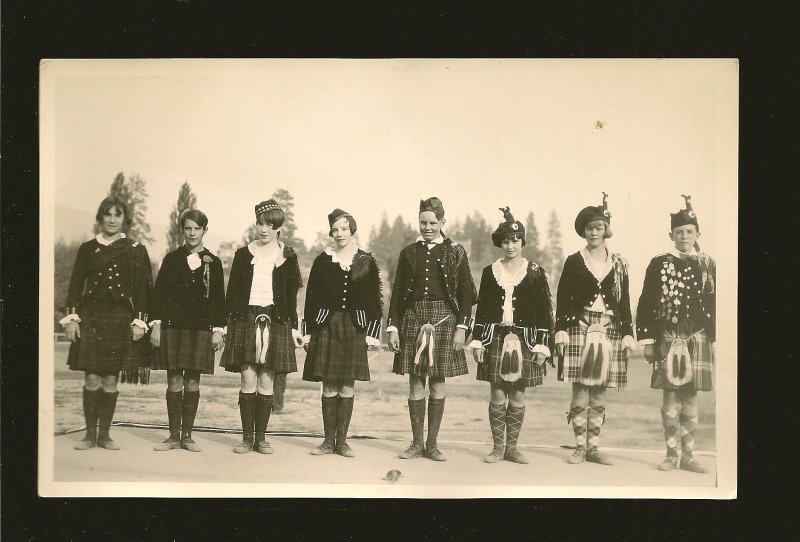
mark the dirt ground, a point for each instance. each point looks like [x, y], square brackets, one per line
[632, 419]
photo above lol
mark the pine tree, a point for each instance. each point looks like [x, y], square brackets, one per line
[133, 192]
[554, 252]
[186, 200]
[531, 250]
[289, 231]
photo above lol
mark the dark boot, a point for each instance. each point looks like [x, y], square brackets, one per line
[90, 414]
[435, 413]
[497, 423]
[106, 407]
[278, 391]
[263, 410]
[174, 406]
[329, 413]
[188, 413]
[247, 410]
[514, 417]
[343, 415]
[416, 411]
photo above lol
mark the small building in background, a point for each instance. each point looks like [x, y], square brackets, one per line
[226, 251]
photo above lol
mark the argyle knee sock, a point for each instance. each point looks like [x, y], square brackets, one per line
[669, 419]
[595, 420]
[578, 416]
[514, 417]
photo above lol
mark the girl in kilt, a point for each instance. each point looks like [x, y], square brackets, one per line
[107, 306]
[261, 306]
[343, 312]
[513, 324]
[676, 324]
[593, 329]
[431, 303]
[188, 321]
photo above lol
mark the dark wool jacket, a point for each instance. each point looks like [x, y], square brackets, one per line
[678, 291]
[187, 299]
[578, 289]
[356, 291]
[533, 309]
[286, 281]
[455, 273]
[117, 272]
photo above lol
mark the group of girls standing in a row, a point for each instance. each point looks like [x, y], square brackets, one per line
[110, 307]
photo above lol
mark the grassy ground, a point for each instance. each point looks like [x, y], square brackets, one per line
[632, 418]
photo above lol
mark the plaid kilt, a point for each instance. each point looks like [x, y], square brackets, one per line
[185, 349]
[489, 370]
[106, 345]
[618, 369]
[337, 352]
[240, 344]
[447, 361]
[700, 349]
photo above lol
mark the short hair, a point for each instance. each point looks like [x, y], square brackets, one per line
[607, 233]
[195, 215]
[351, 223]
[273, 217]
[514, 237]
[109, 203]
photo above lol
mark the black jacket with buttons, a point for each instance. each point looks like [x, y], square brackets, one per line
[533, 308]
[119, 272]
[454, 270]
[286, 281]
[189, 299]
[356, 291]
[678, 291]
[578, 289]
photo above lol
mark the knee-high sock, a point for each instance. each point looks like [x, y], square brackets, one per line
[688, 426]
[578, 416]
[595, 420]
[247, 410]
[90, 412]
[514, 417]
[435, 413]
[343, 414]
[329, 412]
[189, 411]
[497, 423]
[174, 407]
[263, 410]
[106, 407]
[416, 411]
[669, 419]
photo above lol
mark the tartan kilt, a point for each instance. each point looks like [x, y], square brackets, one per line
[447, 361]
[106, 345]
[489, 370]
[337, 351]
[185, 349]
[702, 362]
[618, 369]
[240, 344]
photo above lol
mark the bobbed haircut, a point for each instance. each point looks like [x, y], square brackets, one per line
[514, 237]
[195, 215]
[607, 234]
[351, 223]
[273, 217]
[109, 203]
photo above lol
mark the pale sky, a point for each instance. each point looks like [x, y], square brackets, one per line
[373, 135]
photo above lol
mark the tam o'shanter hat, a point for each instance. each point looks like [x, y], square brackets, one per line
[507, 228]
[592, 213]
[265, 206]
[684, 217]
[432, 204]
[336, 214]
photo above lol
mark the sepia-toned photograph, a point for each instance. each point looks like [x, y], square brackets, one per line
[427, 278]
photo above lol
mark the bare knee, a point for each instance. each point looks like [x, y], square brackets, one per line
[91, 381]
[437, 387]
[347, 389]
[516, 396]
[191, 381]
[597, 397]
[329, 389]
[580, 395]
[416, 390]
[249, 379]
[110, 383]
[174, 381]
[498, 394]
[266, 382]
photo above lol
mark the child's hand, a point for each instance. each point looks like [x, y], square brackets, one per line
[155, 335]
[216, 341]
[138, 332]
[477, 353]
[459, 338]
[650, 352]
[394, 342]
[73, 331]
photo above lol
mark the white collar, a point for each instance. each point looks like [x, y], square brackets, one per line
[343, 257]
[105, 242]
[599, 270]
[678, 254]
[504, 279]
[267, 253]
[438, 241]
